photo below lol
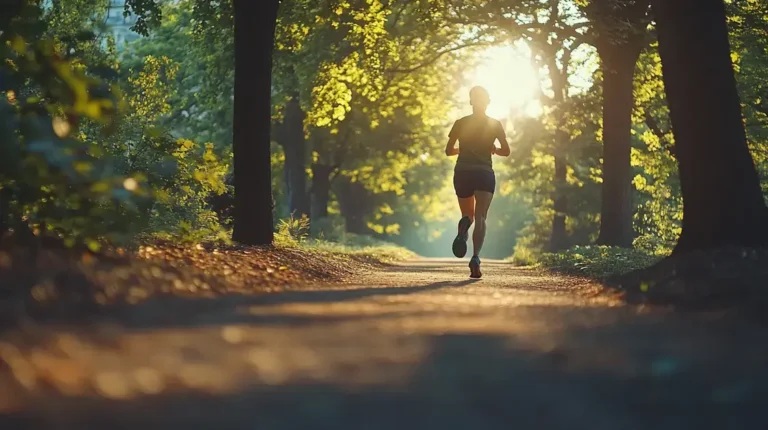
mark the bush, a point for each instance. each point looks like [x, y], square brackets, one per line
[54, 181]
[81, 157]
[525, 255]
[292, 231]
[596, 261]
[653, 245]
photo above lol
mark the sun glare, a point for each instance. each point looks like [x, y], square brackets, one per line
[508, 76]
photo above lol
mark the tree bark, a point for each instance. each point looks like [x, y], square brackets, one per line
[559, 237]
[321, 190]
[4, 213]
[254, 40]
[618, 66]
[354, 201]
[291, 138]
[722, 201]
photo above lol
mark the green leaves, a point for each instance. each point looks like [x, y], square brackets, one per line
[82, 159]
[597, 261]
[148, 14]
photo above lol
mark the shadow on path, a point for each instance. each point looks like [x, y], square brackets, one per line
[467, 382]
[565, 367]
[174, 311]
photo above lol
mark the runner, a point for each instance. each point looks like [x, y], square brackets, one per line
[473, 177]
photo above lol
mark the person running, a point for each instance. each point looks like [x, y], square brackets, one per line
[473, 177]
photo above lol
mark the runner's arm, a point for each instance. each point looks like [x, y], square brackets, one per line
[450, 148]
[504, 151]
[453, 136]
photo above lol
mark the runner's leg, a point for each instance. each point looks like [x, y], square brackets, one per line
[482, 203]
[467, 206]
[465, 193]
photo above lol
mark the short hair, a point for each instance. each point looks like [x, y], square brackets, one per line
[478, 92]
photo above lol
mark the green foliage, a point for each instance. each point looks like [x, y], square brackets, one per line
[204, 80]
[593, 261]
[53, 181]
[97, 145]
[292, 231]
[363, 247]
[82, 156]
[653, 245]
[367, 119]
[660, 207]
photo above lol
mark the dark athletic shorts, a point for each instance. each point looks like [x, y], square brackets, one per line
[466, 182]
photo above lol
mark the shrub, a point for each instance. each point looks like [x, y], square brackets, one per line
[81, 158]
[653, 245]
[596, 261]
[53, 181]
[292, 231]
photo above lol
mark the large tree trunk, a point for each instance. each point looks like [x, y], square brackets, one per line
[722, 201]
[291, 137]
[618, 66]
[321, 190]
[254, 40]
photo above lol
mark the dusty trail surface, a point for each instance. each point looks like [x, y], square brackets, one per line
[414, 346]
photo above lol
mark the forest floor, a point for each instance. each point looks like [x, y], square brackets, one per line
[409, 345]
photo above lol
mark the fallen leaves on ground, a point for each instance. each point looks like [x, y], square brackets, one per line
[51, 282]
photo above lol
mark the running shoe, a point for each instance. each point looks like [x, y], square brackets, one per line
[460, 243]
[474, 268]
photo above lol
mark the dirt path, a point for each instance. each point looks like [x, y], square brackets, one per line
[418, 346]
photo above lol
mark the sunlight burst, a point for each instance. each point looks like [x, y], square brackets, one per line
[507, 74]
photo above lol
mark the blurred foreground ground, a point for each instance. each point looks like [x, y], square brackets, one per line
[413, 346]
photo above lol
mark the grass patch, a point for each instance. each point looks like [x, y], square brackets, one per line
[383, 253]
[293, 233]
[592, 261]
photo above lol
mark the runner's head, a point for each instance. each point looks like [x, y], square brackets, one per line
[479, 99]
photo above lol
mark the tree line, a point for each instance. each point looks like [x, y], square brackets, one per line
[340, 107]
[723, 200]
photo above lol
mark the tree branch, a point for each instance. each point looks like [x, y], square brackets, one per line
[437, 56]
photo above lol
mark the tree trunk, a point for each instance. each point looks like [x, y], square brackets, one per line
[254, 40]
[355, 205]
[618, 66]
[321, 190]
[722, 201]
[4, 212]
[291, 138]
[559, 238]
